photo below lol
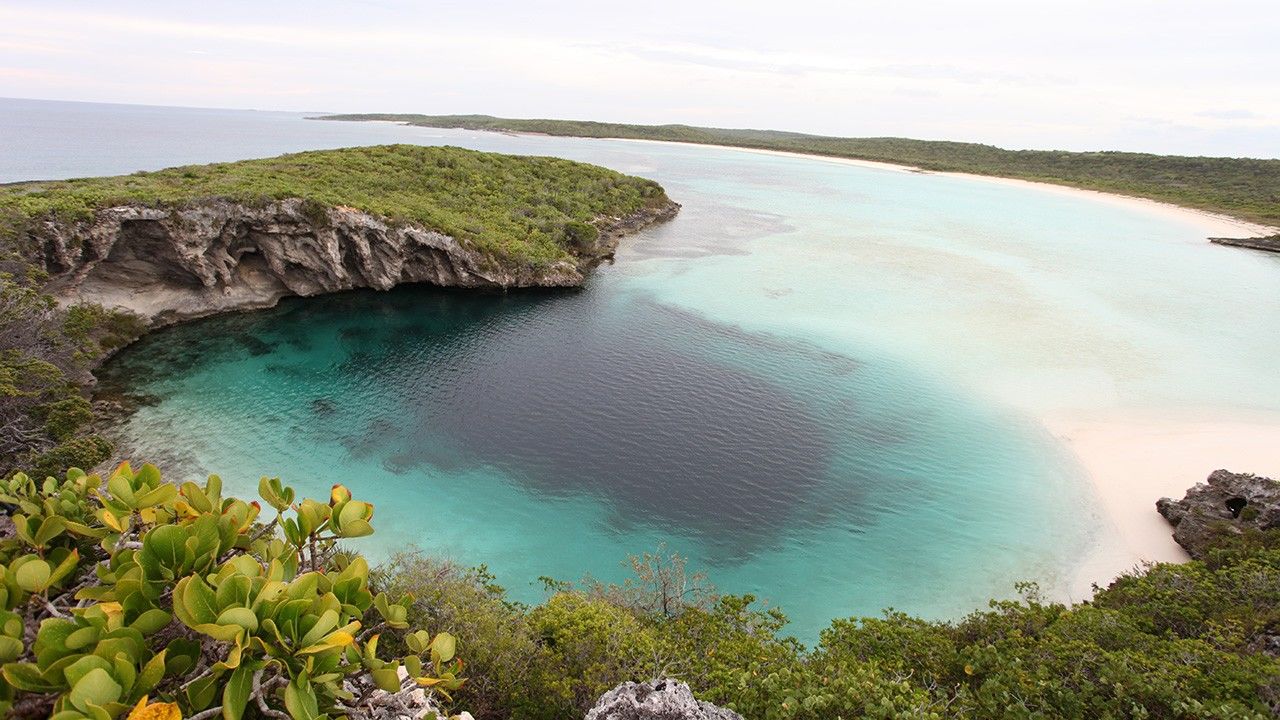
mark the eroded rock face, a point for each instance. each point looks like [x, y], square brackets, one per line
[1268, 244]
[656, 700]
[212, 256]
[1228, 502]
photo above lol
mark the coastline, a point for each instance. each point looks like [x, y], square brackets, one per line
[1133, 460]
[1209, 222]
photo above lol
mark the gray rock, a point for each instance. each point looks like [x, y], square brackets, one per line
[1229, 502]
[656, 700]
[1267, 244]
[210, 256]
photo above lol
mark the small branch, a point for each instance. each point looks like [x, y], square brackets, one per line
[258, 691]
[52, 610]
[369, 631]
[188, 683]
[265, 530]
[206, 714]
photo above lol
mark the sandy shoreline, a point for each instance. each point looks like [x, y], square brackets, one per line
[1133, 461]
[1130, 460]
[1212, 224]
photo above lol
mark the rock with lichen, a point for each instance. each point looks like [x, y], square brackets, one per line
[663, 699]
[1227, 503]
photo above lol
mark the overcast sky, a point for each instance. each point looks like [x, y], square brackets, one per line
[1199, 77]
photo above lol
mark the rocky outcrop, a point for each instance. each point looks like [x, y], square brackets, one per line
[656, 700]
[1268, 244]
[206, 257]
[1228, 502]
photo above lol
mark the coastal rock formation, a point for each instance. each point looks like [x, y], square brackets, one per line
[1229, 502]
[656, 700]
[206, 257]
[1268, 244]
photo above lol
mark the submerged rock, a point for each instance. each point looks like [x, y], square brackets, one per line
[170, 264]
[656, 700]
[1229, 502]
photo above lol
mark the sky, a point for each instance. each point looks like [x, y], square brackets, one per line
[1200, 78]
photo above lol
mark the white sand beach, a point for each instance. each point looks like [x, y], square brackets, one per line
[1212, 224]
[1134, 461]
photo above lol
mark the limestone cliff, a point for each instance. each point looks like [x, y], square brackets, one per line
[1227, 503]
[210, 256]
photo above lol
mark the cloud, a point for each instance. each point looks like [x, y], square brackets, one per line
[1237, 114]
[1085, 76]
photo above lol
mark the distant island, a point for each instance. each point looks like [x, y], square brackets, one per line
[1244, 188]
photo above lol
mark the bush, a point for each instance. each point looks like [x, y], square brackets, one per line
[179, 602]
[88, 451]
[46, 353]
[593, 645]
[1174, 641]
[510, 676]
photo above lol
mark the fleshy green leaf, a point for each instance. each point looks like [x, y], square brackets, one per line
[33, 575]
[95, 688]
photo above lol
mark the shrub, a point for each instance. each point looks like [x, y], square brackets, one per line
[149, 595]
[509, 672]
[594, 645]
[88, 451]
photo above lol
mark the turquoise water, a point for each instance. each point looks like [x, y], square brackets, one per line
[821, 382]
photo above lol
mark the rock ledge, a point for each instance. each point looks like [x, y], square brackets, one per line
[170, 264]
[1228, 502]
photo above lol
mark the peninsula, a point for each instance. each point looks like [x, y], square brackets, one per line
[88, 265]
[1243, 188]
[193, 241]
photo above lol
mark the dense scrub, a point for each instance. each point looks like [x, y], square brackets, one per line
[519, 209]
[135, 593]
[46, 352]
[1241, 187]
[1170, 641]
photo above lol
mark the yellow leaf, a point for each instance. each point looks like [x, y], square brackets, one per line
[333, 640]
[111, 608]
[968, 669]
[111, 521]
[155, 711]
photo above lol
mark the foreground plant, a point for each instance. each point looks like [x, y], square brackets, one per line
[163, 601]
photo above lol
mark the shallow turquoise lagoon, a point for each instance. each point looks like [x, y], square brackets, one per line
[821, 382]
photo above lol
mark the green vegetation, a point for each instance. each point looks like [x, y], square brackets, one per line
[1172, 641]
[46, 352]
[135, 596]
[1241, 187]
[178, 602]
[533, 210]
[141, 597]
[514, 210]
